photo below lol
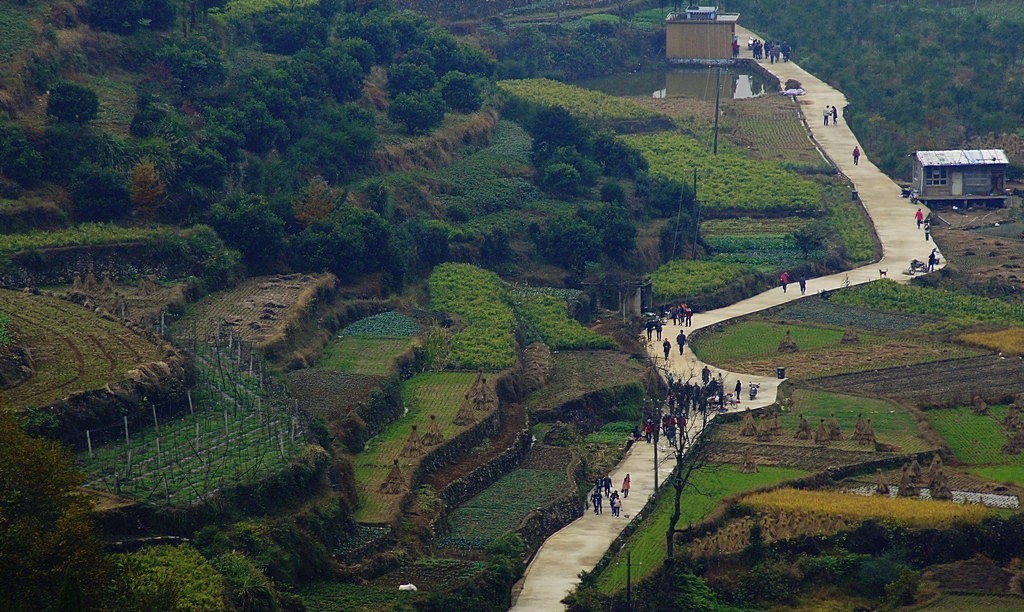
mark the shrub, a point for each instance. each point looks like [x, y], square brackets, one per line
[100, 194]
[418, 112]
[72, 103]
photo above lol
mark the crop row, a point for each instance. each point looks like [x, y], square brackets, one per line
[769, 252]
[683, 278]
[910, 512]
[829, 312]
[890, 295]
[583, 103]
[547, 320]
[432, 393]
[478, 296]
[757, 338]
[83, 234]
[388, 324]
[358, 355]
[500, 508]
[731, 180]
[974, 439]
[850, 223]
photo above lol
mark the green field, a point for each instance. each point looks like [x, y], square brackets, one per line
[1002, 473]
[337, 596]
[439, 393]
[731, 180]
[891, 423]
[765, 252]
[359, 355]
[500, 508]
[83, 234]
[684, 278]
[478, 296]
[546, 319]
[583, 103]
[890, 295]
[73, 349]
[749, 339]
[647, 543]
[579, 373]
[974, 439]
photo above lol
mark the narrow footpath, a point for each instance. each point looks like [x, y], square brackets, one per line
[554, 570]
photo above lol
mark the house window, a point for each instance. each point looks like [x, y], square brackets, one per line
[935, 176]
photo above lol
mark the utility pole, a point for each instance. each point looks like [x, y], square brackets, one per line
[718, 95]
[696, 216]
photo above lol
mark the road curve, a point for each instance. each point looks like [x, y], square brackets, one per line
[554, 570]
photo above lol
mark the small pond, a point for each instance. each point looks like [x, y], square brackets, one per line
[677, 82]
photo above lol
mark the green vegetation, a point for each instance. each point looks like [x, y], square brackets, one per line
[488, 341]
[891, 423]
[334, 596]
[84, 351]
[579, 373]
[18, 33]
[235, 433]
[500, 508]
[710, 485]
[757, 338]
[236, 10]
[829, 312]
[85, 234]
[611, 434]
[5, 330]
[1002, 473]
[177, 577]
[384, 325]
[359, 355]
[684, 278]
[432, 393]
[850, 223]
[546, 319]
[583, 103]
[765, 253]
[974, 439]
[729, 181]
[890, 295]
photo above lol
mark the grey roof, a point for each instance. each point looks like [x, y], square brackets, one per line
[972, 157]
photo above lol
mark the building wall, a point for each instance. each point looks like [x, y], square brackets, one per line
[699, 40]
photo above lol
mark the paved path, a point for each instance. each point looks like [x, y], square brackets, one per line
[555, 569]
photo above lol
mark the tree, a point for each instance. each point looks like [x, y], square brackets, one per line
[418, 112]
[149, 194]
[73, 103]
[247, 223]
[692, 452]
[569, 241]
[461, 92]
[100, 194]
[318, 201]
[407, 77]
[47, 542]
[18, 160]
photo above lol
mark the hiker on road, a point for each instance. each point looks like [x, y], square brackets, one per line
[856, 155]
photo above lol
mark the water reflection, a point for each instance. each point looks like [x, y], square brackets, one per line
[681, 83]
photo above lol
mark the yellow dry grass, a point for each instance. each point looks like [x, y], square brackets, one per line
[850, 506]
[1007, 341]
[439, 149]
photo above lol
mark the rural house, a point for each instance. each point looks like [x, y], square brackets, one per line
[700, 33]
[960, 177]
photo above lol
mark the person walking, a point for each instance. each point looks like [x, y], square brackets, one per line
[739, 389]
[626, 483]
[607, 482]
[803, 285]
[827, 114]
[927, 229]
[688, 312]
[919, 217]
[667, 347]
[931, 260]
[681, 341]
[835, 115]
[595, 499]
[705, 375]
[784, 280]
[657, 328]
[856, 155]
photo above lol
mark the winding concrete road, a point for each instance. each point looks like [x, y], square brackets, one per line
[554, 570]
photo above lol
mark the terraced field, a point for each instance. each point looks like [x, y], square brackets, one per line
[72, 349]
[438, 393]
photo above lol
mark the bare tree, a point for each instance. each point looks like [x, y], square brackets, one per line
[693, 449]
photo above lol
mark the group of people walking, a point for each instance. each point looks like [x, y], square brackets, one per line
[769, 50]
[603, 489]
[785, 279]
[831, 112]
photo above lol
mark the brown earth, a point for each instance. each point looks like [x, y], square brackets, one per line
[940, 383]
[810, 458]
[847, 358]
[992, 263]
[978, 574]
